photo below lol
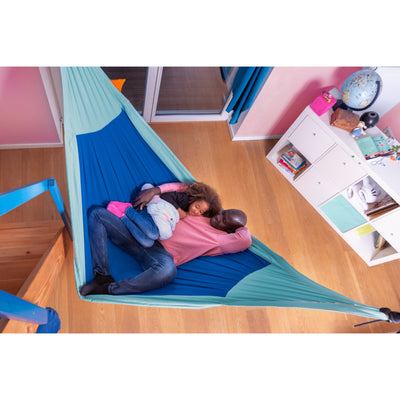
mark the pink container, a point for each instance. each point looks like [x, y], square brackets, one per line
[323, 103]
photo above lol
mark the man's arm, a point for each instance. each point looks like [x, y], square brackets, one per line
[240, 240]
[145, 196]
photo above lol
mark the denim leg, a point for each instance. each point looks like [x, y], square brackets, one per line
[103, 224]
[159, 270]
[137, 233]
[144, 221]
[158, 265]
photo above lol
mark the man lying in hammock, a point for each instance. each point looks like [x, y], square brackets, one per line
[194, 236]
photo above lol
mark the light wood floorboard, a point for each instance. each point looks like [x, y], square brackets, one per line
[277, 215]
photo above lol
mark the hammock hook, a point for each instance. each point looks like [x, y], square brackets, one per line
[393, 316]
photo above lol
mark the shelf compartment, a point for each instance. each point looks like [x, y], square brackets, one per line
[310, 139]
[342, 214]
[285, 150]
[363, 240]
[388, 227]
[355, 196]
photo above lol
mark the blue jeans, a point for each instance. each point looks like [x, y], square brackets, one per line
[158, 265]
[141, 226]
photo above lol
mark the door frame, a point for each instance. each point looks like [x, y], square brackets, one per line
[153, 83]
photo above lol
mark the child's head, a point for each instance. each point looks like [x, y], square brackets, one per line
[203, 200]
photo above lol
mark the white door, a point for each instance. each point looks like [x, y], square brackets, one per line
[167, 94]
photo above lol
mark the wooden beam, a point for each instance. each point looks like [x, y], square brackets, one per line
[21, 247]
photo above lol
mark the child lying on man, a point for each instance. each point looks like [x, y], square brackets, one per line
[166, 210]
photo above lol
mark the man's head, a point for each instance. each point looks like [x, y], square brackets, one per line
[229, 220]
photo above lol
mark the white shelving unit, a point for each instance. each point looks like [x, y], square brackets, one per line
[334, 165]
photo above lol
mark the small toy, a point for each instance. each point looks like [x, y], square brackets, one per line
[395, 157]
[359, 130]
[396, 148]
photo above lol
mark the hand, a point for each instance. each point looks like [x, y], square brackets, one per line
[182, 214]
[145, 196]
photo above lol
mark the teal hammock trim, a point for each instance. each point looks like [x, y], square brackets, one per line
[91, 106]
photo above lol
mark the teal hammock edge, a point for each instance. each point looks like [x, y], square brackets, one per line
[348, 305]
[80, 120]
[260, 288]
[201, 302]
[165, 301]
[265, 287]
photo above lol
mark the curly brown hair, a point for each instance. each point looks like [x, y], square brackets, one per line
[201, 191]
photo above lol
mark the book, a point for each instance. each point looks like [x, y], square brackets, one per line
[381, 206]
[381, 212]
[285, 166]
[289, 167]
[380, 242]
[292, 158]
[374, 146]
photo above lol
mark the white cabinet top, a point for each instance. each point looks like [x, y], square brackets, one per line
[387, 174]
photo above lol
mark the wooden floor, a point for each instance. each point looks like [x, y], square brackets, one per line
[277, 215]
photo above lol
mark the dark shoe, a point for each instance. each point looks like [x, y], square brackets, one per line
[99, 285]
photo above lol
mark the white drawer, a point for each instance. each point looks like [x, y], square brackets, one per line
[314, 186]
[332, 174]
[389, 227]
[310, 139]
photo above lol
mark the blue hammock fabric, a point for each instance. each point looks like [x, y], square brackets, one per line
[120, 140]
[110, 152]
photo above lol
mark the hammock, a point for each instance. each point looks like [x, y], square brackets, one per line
[110, 151]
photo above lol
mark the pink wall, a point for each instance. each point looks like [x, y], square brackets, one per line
[391, 119]
[284, 96]
[25, 116]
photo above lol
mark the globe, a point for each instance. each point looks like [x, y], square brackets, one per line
[361, 89]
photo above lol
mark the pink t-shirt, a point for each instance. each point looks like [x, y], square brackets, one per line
[194, 237]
